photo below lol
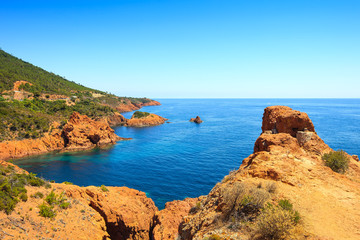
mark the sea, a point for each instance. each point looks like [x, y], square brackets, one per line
[181, 159]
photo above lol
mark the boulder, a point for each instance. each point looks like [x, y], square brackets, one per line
[282, 119]
[196, 120]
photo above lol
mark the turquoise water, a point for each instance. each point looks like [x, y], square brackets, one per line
[182, 159]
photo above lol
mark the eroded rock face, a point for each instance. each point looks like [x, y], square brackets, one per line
[128, 106]
[79, 133]
[116, 119]
[150, 120]
[128, 213]
[166, 222]
[196, 120]
[282, 119]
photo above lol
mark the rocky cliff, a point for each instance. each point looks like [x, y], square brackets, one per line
[79, 133]
[146, 121]
[286, 165]
[282, 190]
[128, 106]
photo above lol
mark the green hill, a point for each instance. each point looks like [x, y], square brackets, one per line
[44, 97]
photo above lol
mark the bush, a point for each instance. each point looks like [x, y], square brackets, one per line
[215, 237]
[51, 198]
[68, 183]
[23, 196]
[64, 205]
[38, 195]
[337, 161]
[12, 187]
[103, 188]
[274, 223]
[46, 211]
[139, 114]
[243, 202]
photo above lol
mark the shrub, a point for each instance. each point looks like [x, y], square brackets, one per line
[337, 161]
[139, 114]
[68, 183]
[23, 196]
[51, 198]
[243, 201]
[214, 237]
[37, 195]
[103, 188]
[271, 187]
[46, 211]
[64, 205]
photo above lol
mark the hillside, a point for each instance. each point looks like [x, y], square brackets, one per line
[32, 98]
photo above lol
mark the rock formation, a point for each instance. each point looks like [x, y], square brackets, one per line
[196, 120]
[286, 165]
[115, 120]
[127, 106]
[79, 133]
[147, 121]
[281, 119]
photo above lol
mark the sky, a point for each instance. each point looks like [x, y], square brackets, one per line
[192, 48]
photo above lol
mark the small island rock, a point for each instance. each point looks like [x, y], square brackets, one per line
[196, 120]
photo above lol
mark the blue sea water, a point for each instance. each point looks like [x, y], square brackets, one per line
[183, 159]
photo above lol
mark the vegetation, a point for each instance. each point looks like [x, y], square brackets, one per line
[31, 117]
[139, 114]
[12, 187]
[13, 69]
[52, 200]
[37, 195]
[103, 188]
[254, 209]
[46, 211]
[277, 222]
[337, 161]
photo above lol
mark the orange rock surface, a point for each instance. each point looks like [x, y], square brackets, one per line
[327, 201]
[282, 119]
[79, 133]
[196, 120]
[128, 106]
[150, 120]
[166, 222]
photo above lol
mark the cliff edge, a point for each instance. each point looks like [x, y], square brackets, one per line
[79, 133]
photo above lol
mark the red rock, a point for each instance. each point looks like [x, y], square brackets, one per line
[166, 222]
[196, 120]
[282, 119]
[128, 213]
[150, 120]
[79, 133]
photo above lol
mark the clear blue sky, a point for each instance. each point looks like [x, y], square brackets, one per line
[192, 48]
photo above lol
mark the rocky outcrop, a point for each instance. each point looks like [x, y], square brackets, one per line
[282, 119]
[128, 213]
[166, 222]
[79, 133]
[115, 120]
[147, 121]
[128, 106]
[286, 165]
[196, 120]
